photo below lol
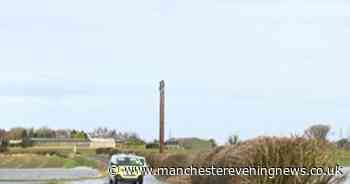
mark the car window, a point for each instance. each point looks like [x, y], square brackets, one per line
[127, 161]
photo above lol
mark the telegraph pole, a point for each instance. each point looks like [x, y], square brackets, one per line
[161, 115]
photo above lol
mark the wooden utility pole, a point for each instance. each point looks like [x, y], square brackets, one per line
[161, 115]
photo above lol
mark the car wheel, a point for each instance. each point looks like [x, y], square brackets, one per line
[116, 181]
[140, 181]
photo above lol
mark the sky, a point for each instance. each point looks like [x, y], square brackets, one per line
[247, 67]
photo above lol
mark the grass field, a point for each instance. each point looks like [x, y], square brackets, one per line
[59, 156]
[54, 150]
[44, 161]
[343, 157]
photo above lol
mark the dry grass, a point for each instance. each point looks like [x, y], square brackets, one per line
[43, 161]
[270, 152]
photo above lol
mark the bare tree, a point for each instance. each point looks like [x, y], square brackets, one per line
[63, 133]
[3, 135]
[103, 132]
[318, 131]
[45, 132]
[17, 133]
[213, 143]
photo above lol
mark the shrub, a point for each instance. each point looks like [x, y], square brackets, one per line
[152, 145]
[318, 132]
[269, 152]
[103, 151]
[343, 144]
[176, 160]
[3, 146]
[108, 151]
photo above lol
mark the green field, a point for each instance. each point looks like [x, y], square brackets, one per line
[343, 157]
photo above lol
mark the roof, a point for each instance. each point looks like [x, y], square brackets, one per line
[102, 139]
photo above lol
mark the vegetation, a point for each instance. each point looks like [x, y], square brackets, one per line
[343, 144]
[23, 137]
[194, 143]
[152, 145]
[55, 182]
[61, 151]
[343, 157]
[233, 139]
[311, 150]
[44, 161]
[3, 141]
[78, 135]
[213, 143]
[3, 146]
[270, 152]
[318, 132]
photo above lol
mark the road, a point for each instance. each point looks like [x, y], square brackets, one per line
[54, 173]
[21, 175]
[48, 174]
[147, 180]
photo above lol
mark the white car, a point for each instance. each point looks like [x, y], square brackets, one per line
[118, 165]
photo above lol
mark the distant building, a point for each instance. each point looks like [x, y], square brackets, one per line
[71, 142]
[102, 143]
[15, 142]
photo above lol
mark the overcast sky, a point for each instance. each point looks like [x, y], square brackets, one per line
[251, 67]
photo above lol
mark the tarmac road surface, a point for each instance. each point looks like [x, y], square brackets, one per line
[15, 174]
[147, 180]
[19, 176]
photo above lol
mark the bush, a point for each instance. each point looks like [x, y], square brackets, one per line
[343, 144]
[269, 152]
[3, 146]
[103, 151]
[152, 146]
[79, 161]
[176, 160]
[108, 151]
[26, 142]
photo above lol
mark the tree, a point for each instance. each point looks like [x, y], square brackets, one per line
[153, 145]
[17, 133]
[213, 143]
[31, 132]
[78, 135]
[318, 132]
[134, 139]
[63, 133]
[2, 134]
[104, 132]
[343, 144]
[3, 140]
[45, 132]
[233, 139]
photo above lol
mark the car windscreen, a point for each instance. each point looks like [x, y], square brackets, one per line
[127, 161]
